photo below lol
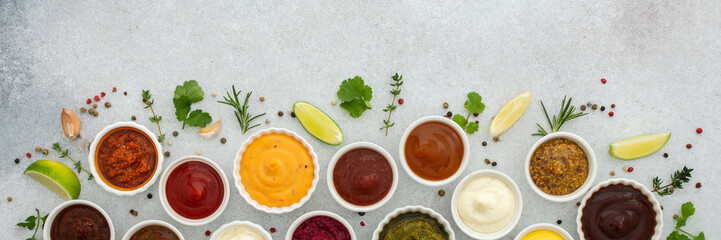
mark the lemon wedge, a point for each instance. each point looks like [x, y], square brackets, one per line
[317, 123]
[639, 146]
[56, 177]
[510, 113]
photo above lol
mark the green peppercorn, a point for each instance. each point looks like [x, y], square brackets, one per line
[175, 133]
[45, 152]
[132, 118]
[167, 154]
[487, 161]
[95, 113]
[441, 193]
[82, 110]
[280, 113]
[95, 105]
[38, 148]
[594, 106]
[583, 107]
[91, 111]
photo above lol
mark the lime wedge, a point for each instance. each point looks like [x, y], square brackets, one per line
[510, 113]
[55, 176]
[317, 123]
[639, 146]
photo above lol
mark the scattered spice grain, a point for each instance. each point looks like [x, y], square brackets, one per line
[17, 160]
[484, 143]
[698, 185]
[115, 89]
[207, 232]
[280, 113]
[583, 107]
[449, 114]
[610, 114]
[45, 152]
[578, 204]
[613, 173]
[445, 105]
[95, 105]
[107, 105]
[362, 213]
[175, 133]
[10, 199]
[559, 222]
[38, 148]
[603, 108]
[132, 118]
[613, 105]
[222, 140]
[292, 114]
[262, 99]
[167, 154]
[487, 161]
[150, 196]
[83, 110]
[441, 193]
[688, 145]
[665, 155]
[594, 106]
[494, 164]
[699, 130]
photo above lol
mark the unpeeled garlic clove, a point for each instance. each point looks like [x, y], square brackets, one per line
[210, 131]
[70, 123]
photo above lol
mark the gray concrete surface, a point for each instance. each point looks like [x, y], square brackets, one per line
[662, 60]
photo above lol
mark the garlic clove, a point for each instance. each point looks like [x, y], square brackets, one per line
[210, 131]
[70, 123]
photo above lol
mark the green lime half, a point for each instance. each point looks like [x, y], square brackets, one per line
[317, 123]
[55, 176]
[639, 146]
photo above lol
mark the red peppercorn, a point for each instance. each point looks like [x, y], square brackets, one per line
[88, 101]
[125, 93]
[699, 130]
[610, 114]
[207, 232]
[613, 105]
[97, 98]
[630, 169]
[145, 100]
[400, 101]
[272, 230]
[687, 146]
[28, 155]
[115, 89]
[698, 185]
[603, 80]
[102, 94]
[362, 224]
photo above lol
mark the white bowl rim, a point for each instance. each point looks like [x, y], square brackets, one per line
[331, 168]
[415, 208]
[241, 188]
[222, 229]
[590, 157]
[516, 215]
[629, 182]
[164, 200]
[454, 126]
[61, 206]
[544, 226]
[150, 222]
[96, 173]
[302, 218]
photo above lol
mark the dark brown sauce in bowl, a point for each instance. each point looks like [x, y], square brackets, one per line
[434, 151]
[618, 212]
[154, 232]
[80, 221]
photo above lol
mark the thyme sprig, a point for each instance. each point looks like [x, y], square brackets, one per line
[677, 180]
[397, 82]
[33, 222]
[566, 114]
[155, 118]
[241, 112]
[76, 165]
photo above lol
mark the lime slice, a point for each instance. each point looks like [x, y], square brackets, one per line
[639, 146]
[55, 176]
[510, 113]
[317, 123]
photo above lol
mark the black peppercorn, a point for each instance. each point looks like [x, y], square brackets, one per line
[292, 114]
[362, 213]
[559, 221]
[449, 114]
[475, 114]
[583, 107]
[665, 155]
[132, 118]
[487, 161]
[280, 113]
[441, 192]
[222, 140]
[150, 196]
[603, 108]
[17, 160]
[494, 164]
[484, 143]
[578, 204]
[175, 133]
[167, 154]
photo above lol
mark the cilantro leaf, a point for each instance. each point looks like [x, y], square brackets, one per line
[355, 96]
[460, 120]
[472, 127]
[687, 210]
[191, 90]
[29, 223]
[182, 107]
[675, 235]
[474, 104]
[198, 118]
[700, 237]
[46, 218]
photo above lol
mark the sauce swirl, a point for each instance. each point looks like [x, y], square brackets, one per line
[434, 151]
[194, 190]
[80, 221]
[362, 177]
[618, 212]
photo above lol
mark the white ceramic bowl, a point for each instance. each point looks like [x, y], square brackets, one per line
[590, 157]
[421, 209]
[544, 226]
[145, 223]
[344, 150]
[244, 193]
[164, 199]
[458, 129]
[301, 219]
[516, 215]
[228, 226]
[98, 177]
[623, 181]
[51, 217]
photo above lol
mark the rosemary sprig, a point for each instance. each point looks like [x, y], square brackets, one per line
[566, 114]
[677, 180]
[241, 112]
[64, 154]
[155, 119]
[397, 82]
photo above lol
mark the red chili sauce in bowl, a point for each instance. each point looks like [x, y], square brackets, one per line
[362, 177]
[434, 151]
[321, 227]
[126, 158]
[194, 190]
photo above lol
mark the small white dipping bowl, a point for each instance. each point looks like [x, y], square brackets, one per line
[450, 123]
[231, 225]
[239, 183]
[301, 219]
[628, 182]
[164, 199]
[331, 184]
[590, 157]
[96, 172]
[51, 217]
[516, 215]
[420, 209]
[145, 223]
[544, 226]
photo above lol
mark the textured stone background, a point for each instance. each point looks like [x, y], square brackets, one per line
[661, 59]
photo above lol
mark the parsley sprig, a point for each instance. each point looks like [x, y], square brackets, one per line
[185, 95]
[241, 112]
[32, 222]
[356, 96]
[397, 82]
[76, 165]
[687, 210]
[677, 180]
[566, 114]
[155, 119]
[474, 105]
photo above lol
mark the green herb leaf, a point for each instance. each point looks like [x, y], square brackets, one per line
[355, 107]
[46, 217]
[185, 95]
[29, 223]
[355, 96]
[198, 118]
[182, 107]
[191, 90]
[675, 235]
[460, 120]
[474, 104]
[700, 237]
[687, 210]
[472, 127]
[566, 114]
